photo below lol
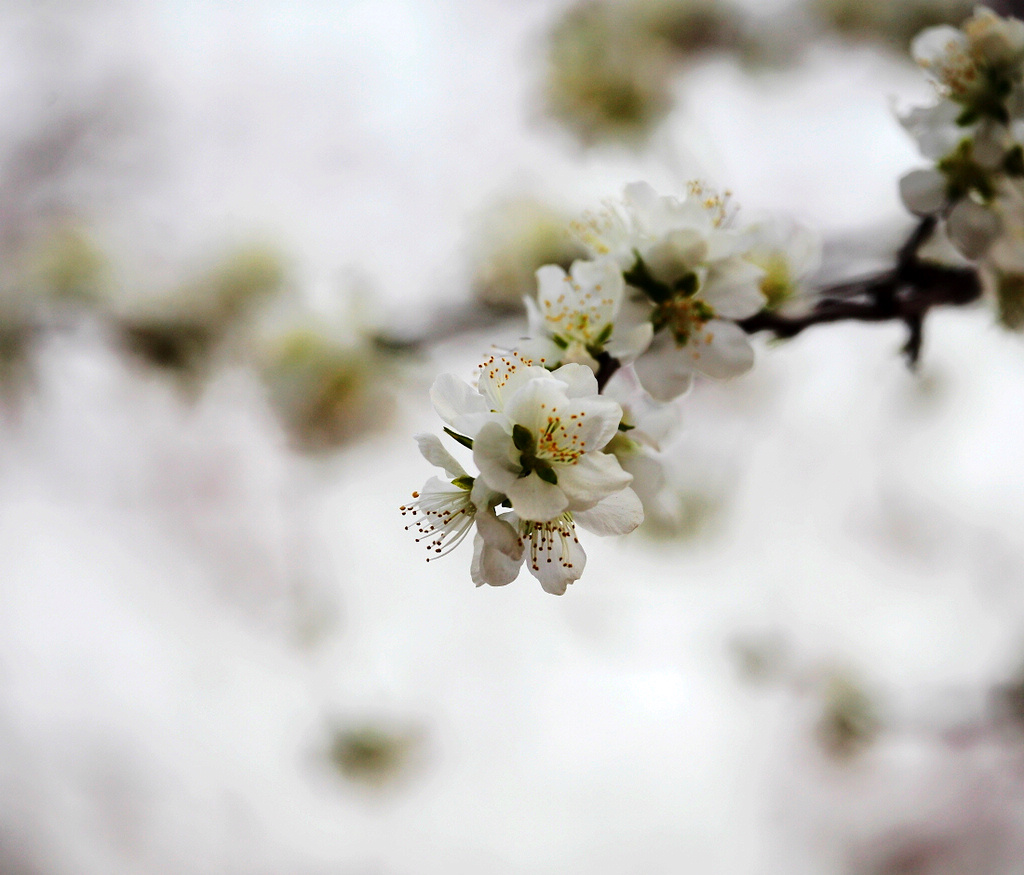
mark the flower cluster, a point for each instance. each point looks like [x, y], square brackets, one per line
[538, 439]
[974, 132]
[565, 429]
[691, 272]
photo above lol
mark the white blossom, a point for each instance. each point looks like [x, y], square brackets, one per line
[788, 253]
[551, 549]
[646, 423]
[688, 261]
[445, 511]
[574, 316]
[543, 452]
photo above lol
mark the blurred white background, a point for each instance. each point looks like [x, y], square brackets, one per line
[219, 650]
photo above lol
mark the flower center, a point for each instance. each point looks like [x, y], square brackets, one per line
[683, 316]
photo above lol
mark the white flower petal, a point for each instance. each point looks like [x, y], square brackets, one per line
[618, 514]
[499, 534]
[579, 380]
[721, 350]
[733, 288]
[492, 567]
[593, 478]
[972, 228]
[626, 345]
[536, 499]
[542, 350]
[496, 457]
[935, 128]
[923, 191]
[502, 376]
[434, 452]
[458, 404]
[663, 370]
[554, 555]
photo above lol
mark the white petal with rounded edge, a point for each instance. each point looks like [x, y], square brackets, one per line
[722, 350]
[556, 558]
[923, 191]
[499, 534]
[626, 345]
[972, 228]
[579, 380]
[434, 452]
[593, 478]
[617, 514]
[664, 370]
[496, 457]
[491, 566]
[934, 47]
[536, 499]
[459, 404]
[733, 288]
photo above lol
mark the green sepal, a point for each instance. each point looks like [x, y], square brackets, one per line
[604, 336]
[464, 482]
[640, 276]
[560, 342]
[461, 438]
[1013, 163]
[547, 474]
[523, 439]
[687, 284]
[626, 427]
[968, 117]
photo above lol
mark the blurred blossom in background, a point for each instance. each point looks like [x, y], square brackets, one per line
[237, 244]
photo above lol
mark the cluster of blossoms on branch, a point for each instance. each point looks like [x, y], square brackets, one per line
[974, 135]
[564, 430]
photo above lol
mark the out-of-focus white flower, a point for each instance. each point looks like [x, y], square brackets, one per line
[643, 219]
[944, 53]
[924, 191]
[788, 253]
[976, 63]
[995, 42]
[574, 317]
[689, 263]
[972, 228]
[935, 128]
[645, 424]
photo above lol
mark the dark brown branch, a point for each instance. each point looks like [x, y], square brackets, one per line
[905, 293]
